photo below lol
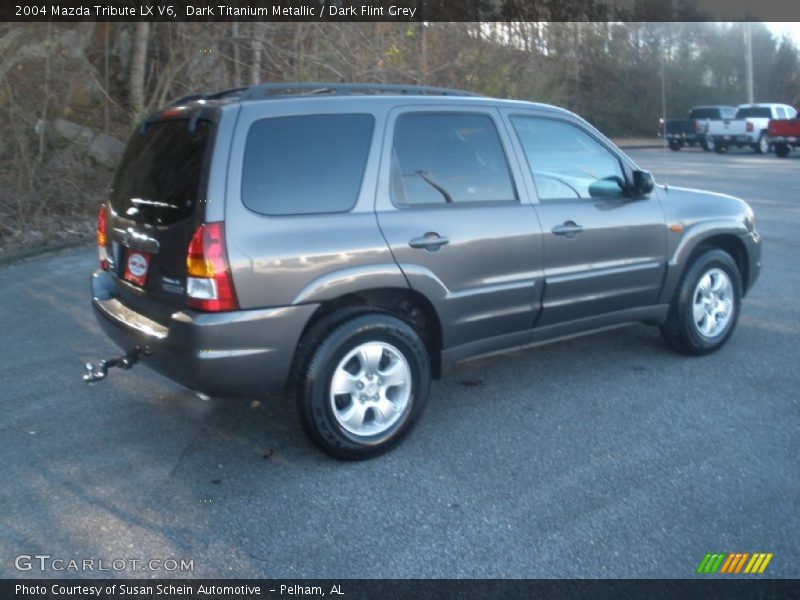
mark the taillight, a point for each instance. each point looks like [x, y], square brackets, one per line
[102, 253]
[749, 127]
[209, 285]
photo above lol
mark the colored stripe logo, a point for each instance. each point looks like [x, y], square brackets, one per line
[734, 562]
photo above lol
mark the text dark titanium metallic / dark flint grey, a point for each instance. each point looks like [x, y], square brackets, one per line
[357, 240]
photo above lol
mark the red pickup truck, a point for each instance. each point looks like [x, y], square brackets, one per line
[783, 135]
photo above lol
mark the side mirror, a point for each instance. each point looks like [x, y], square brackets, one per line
[643, 183]
[610, 187]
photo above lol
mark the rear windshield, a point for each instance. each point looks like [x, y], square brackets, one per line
[158, 180]
[704, 113]
[754, 112]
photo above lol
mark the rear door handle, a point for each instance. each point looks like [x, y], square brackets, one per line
[569, 229]
[431, 241]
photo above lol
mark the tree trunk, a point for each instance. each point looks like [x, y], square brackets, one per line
[138, 68]
[255, 67]
[237, 66]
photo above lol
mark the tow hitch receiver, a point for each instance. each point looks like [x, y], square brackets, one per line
[96, 372]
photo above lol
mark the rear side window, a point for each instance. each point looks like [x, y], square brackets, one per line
[158, 180]
[443, 158]
[305, 164]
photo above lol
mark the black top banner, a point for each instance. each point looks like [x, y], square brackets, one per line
[416, 589]
[399, 10]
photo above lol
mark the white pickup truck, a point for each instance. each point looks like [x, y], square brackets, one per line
[748, 127]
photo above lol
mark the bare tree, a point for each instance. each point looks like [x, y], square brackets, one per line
[255, 67]
[138, 68]
[237, 65]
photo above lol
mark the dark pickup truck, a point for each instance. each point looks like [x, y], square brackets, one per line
[783, 135]
[681, 132]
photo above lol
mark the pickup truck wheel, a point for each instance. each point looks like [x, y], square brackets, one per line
[674, 145]
[706, 305]
[720, 148]
[781, 150]
[762, 145]
[363, 386]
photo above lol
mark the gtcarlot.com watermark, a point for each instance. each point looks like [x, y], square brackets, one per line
[46, 562]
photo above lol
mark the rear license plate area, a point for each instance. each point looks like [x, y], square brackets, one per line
[137, 264]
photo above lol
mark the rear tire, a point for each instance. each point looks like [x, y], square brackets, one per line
[721, 148]
[704, 311]
[674, 145]
[361, 389]
[782, 150]
[762, 145]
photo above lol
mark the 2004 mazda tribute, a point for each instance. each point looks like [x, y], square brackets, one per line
[350, 242]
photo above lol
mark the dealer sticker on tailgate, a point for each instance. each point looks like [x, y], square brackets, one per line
[136, 267]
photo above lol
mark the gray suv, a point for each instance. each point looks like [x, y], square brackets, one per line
[350, 242]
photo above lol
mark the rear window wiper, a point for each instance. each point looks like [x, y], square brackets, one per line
[156, 203]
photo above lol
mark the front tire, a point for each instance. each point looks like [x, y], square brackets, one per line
[704, 311]
[361, 389]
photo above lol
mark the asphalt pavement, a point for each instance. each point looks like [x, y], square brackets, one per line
[604, 456]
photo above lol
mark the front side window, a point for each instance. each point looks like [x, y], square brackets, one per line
[448, 158]
[567, 163]
[307, 164]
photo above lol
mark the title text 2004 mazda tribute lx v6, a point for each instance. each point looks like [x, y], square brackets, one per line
[349, 242]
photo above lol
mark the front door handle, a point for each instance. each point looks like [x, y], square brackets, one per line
[431, 241]
[569, 229]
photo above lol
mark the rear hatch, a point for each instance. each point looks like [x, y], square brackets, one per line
[156, 203]
[678, 127]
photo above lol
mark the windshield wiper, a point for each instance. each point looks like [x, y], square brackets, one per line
[424, 176]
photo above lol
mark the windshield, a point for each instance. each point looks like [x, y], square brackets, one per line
[705, 113]
[756, 112]
[158, 179]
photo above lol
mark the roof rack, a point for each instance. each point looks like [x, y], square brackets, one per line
[273, 90]
[214, 96]
[266, 90]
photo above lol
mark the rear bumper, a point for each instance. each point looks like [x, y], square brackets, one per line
[238, 353]
[733, 139]
[784, 139]
[685, 137]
